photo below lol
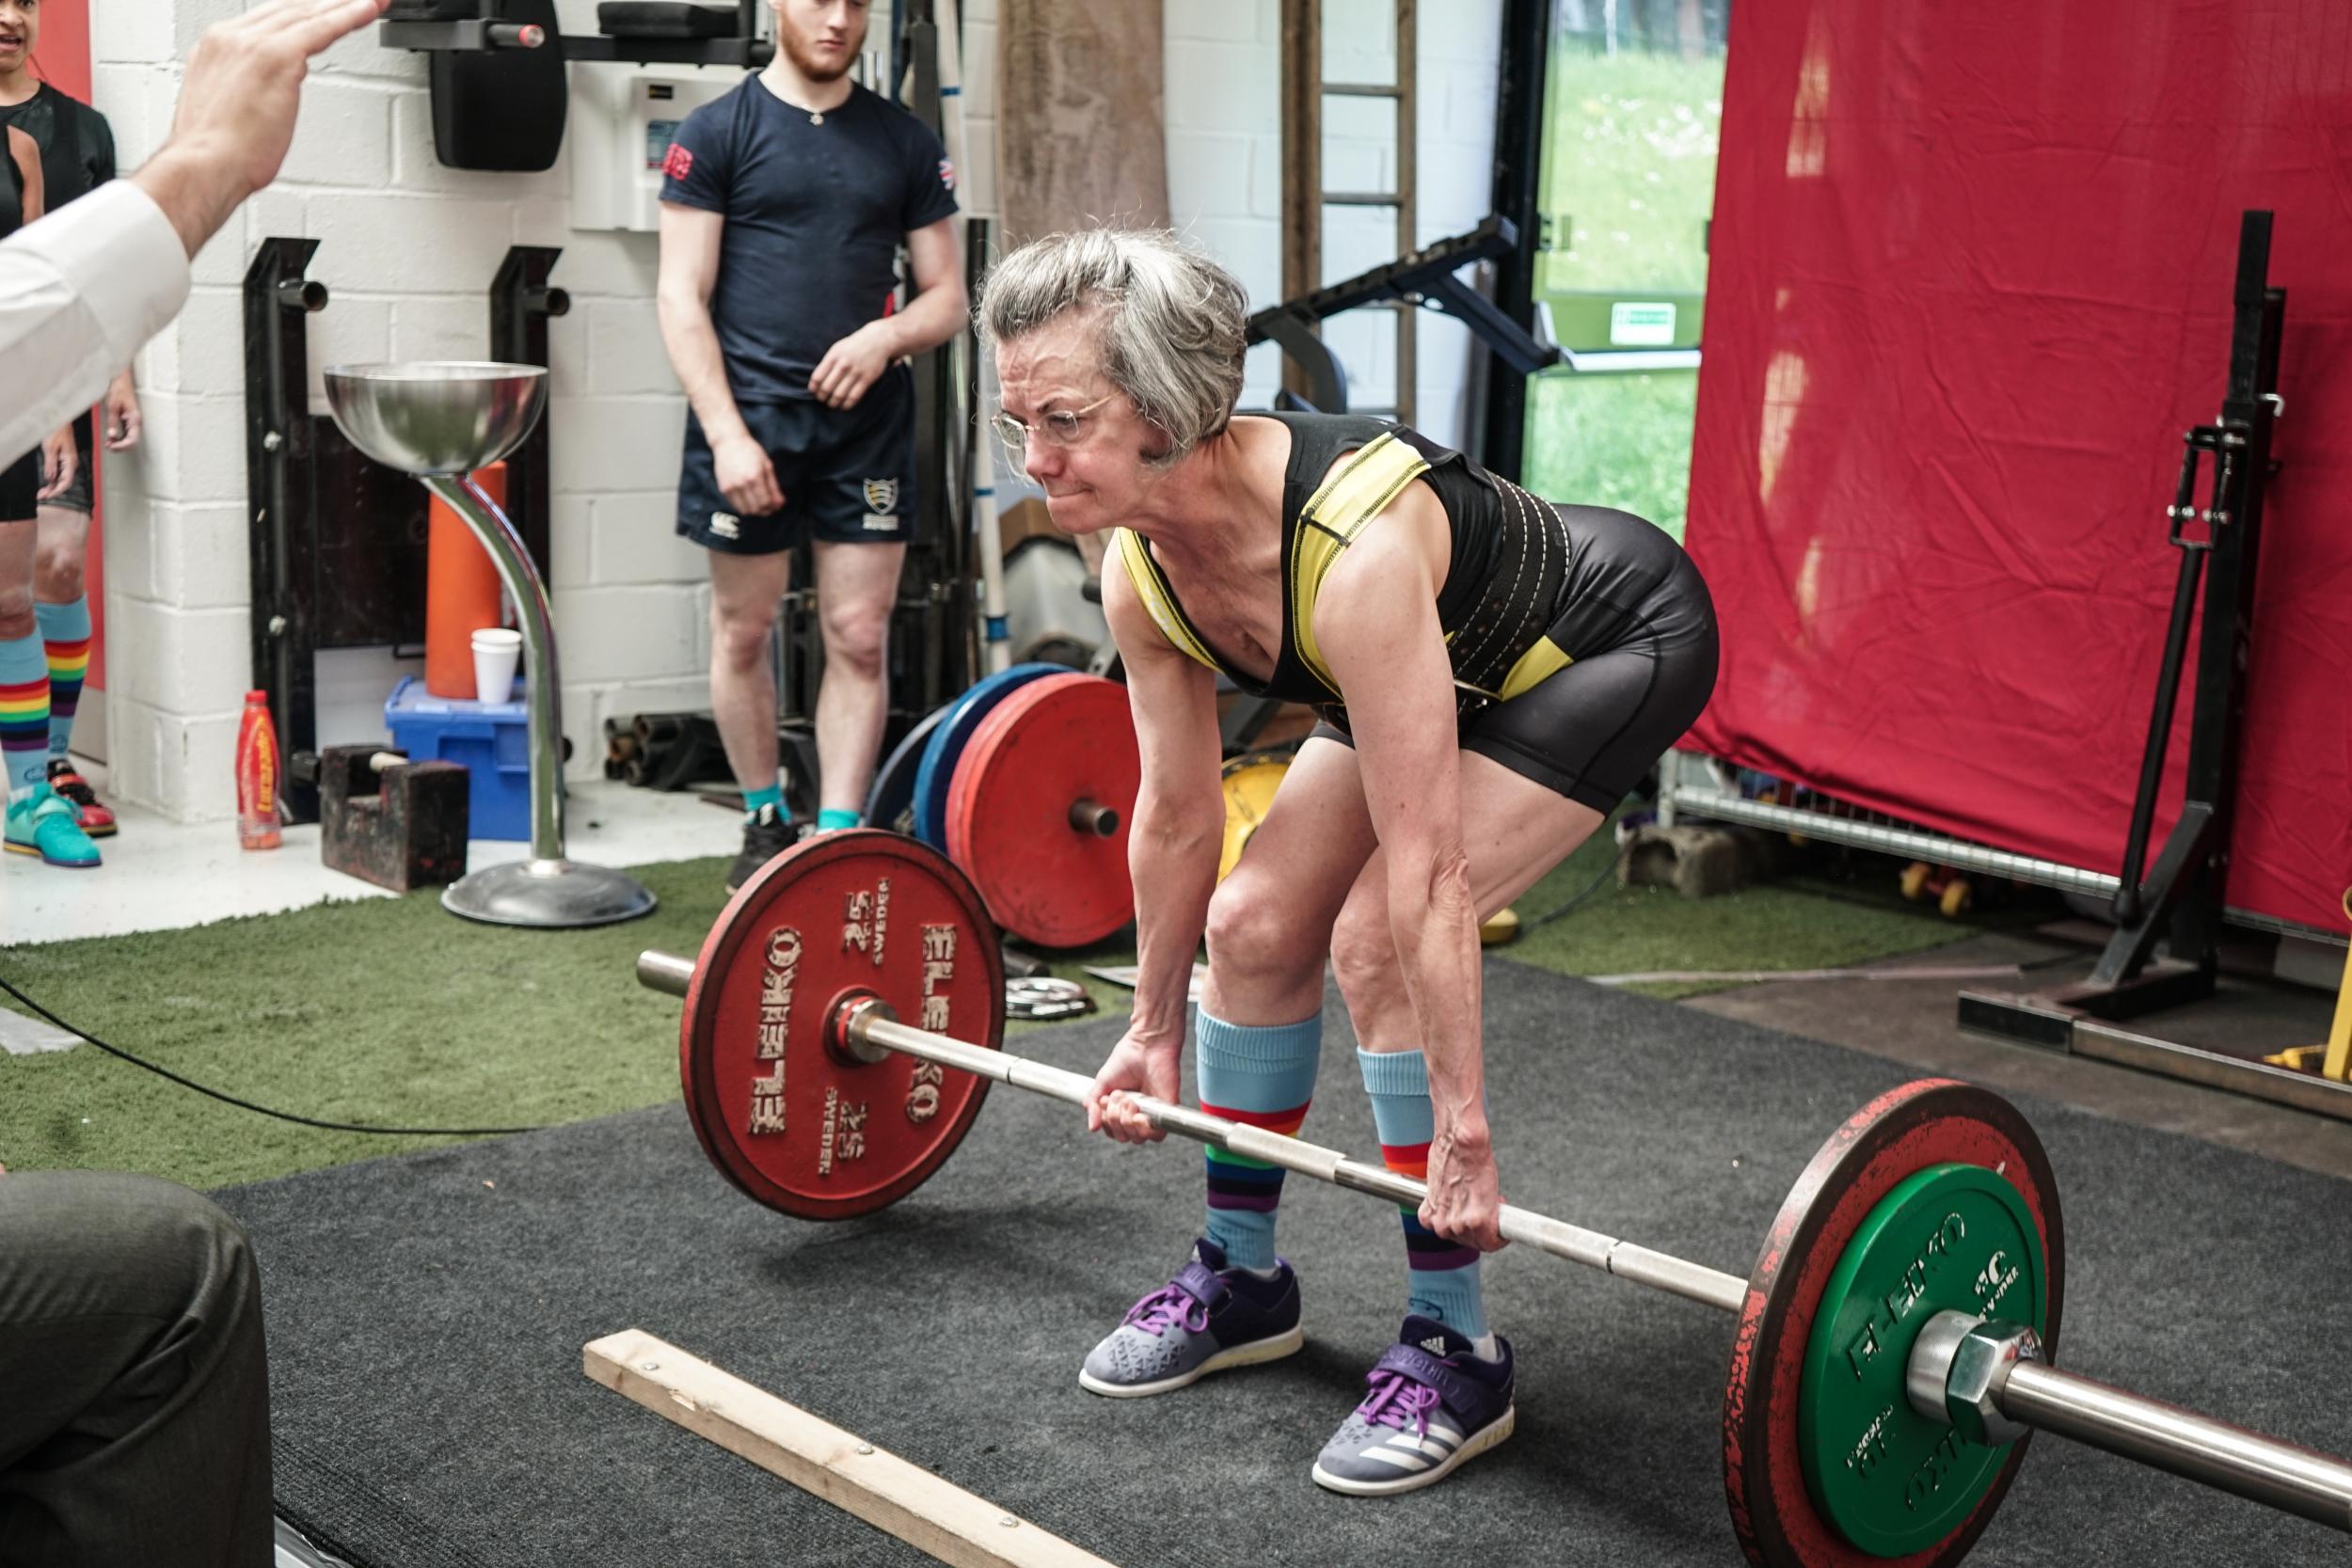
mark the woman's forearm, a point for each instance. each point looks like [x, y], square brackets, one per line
[1434, 917]
[1175, 859]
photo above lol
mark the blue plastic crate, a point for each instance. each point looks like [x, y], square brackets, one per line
[492, 740]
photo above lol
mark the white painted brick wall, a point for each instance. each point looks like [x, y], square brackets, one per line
[409, 248]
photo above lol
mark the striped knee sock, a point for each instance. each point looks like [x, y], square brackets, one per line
[1444, 1283]
[1264, 1076]
[65, 633]
[24, 714]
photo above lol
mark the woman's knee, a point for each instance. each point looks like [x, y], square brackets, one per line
[16, 613]
[1363, 954]
[1254, 935]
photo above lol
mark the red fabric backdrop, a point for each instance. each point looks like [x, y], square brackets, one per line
[1971, 271]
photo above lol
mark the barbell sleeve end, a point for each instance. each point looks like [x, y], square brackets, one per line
[1091, 816]
[664, 972]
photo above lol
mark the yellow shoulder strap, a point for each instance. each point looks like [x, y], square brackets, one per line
[1356, 493]
[1128, 549]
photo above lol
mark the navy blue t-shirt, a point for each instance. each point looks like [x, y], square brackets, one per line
[815, 215]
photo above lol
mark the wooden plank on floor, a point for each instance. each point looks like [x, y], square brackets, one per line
[932, 1515]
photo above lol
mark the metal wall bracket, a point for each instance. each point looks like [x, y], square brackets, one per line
[521, 300]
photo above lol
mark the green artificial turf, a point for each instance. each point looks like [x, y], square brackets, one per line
[391, 1011]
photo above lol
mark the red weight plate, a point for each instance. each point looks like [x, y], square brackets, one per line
[1051, 744]
[791, 1122]
[1902, 1132]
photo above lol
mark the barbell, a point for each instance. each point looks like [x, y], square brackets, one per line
[1895, 1334]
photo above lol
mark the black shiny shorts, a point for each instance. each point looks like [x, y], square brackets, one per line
[1590, 731]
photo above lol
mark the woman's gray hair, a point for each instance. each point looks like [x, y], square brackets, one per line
[1169, 321]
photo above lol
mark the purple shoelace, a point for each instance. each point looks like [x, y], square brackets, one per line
[1164, 1308]
[1396, 1399]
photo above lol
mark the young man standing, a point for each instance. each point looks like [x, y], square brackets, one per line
[783, 205]
[77, 155]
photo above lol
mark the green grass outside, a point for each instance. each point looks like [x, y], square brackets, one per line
[1629, 169]
[393, 1011]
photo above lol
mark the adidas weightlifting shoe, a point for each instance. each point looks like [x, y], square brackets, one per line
[1207, 1319]
[1434, 1404]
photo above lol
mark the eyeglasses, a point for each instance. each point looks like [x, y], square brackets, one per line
[1061, 427]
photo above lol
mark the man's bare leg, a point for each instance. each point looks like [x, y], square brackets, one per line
[746, 592]
[857, 586]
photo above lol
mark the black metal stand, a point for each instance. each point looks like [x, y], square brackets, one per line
[338, 542]
[322, 514]
[521, 300]
[2178, 908]
[1498, 441]
[1423, 277]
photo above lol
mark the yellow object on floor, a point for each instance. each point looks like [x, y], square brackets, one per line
[1504, 926]
[2333, 1060]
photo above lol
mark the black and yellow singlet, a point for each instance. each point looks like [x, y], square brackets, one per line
[1530, 588]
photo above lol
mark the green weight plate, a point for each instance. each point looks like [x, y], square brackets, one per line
[1953, 1237]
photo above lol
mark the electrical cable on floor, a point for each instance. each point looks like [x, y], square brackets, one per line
[249, 1105]
[1590, 888]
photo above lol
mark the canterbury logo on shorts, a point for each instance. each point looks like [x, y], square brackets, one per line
[724, 525]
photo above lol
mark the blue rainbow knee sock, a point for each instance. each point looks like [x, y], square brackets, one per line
[1262, 1076]
[1444, 1275]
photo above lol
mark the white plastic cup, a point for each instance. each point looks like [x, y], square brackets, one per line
[496, 652]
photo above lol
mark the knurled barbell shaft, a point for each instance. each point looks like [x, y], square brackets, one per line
[871, 1022]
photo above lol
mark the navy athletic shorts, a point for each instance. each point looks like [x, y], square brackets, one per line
[847, 474]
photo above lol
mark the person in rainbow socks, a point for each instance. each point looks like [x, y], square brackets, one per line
[1494, 674]
[38, 821]
[77, 155]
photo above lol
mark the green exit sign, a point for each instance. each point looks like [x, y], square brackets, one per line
[1641, 324]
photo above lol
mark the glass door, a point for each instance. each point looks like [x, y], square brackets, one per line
[1633, 111]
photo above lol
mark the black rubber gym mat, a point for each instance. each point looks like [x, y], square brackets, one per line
[427, 1315]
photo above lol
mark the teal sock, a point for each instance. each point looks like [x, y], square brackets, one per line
[65, 634]
[24, 714]
[771, 796]
[1262, 1076]
[1444, 1274]
[832, 819]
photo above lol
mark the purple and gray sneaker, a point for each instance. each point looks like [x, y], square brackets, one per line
[1433, 1406]
[1207, 1319]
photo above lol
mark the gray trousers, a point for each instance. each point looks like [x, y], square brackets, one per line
[133, 1395]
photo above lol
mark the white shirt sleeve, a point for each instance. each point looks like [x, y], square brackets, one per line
[80, 291]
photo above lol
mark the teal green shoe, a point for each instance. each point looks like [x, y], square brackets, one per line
[43, 824]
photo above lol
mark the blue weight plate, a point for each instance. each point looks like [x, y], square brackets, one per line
[890, 802]
[937, 773]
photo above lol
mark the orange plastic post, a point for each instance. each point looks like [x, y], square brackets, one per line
[461, 592]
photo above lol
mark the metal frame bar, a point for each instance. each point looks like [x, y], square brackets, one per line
[1675, 797]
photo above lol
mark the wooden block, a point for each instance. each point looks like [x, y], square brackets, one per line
[933, 1516]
